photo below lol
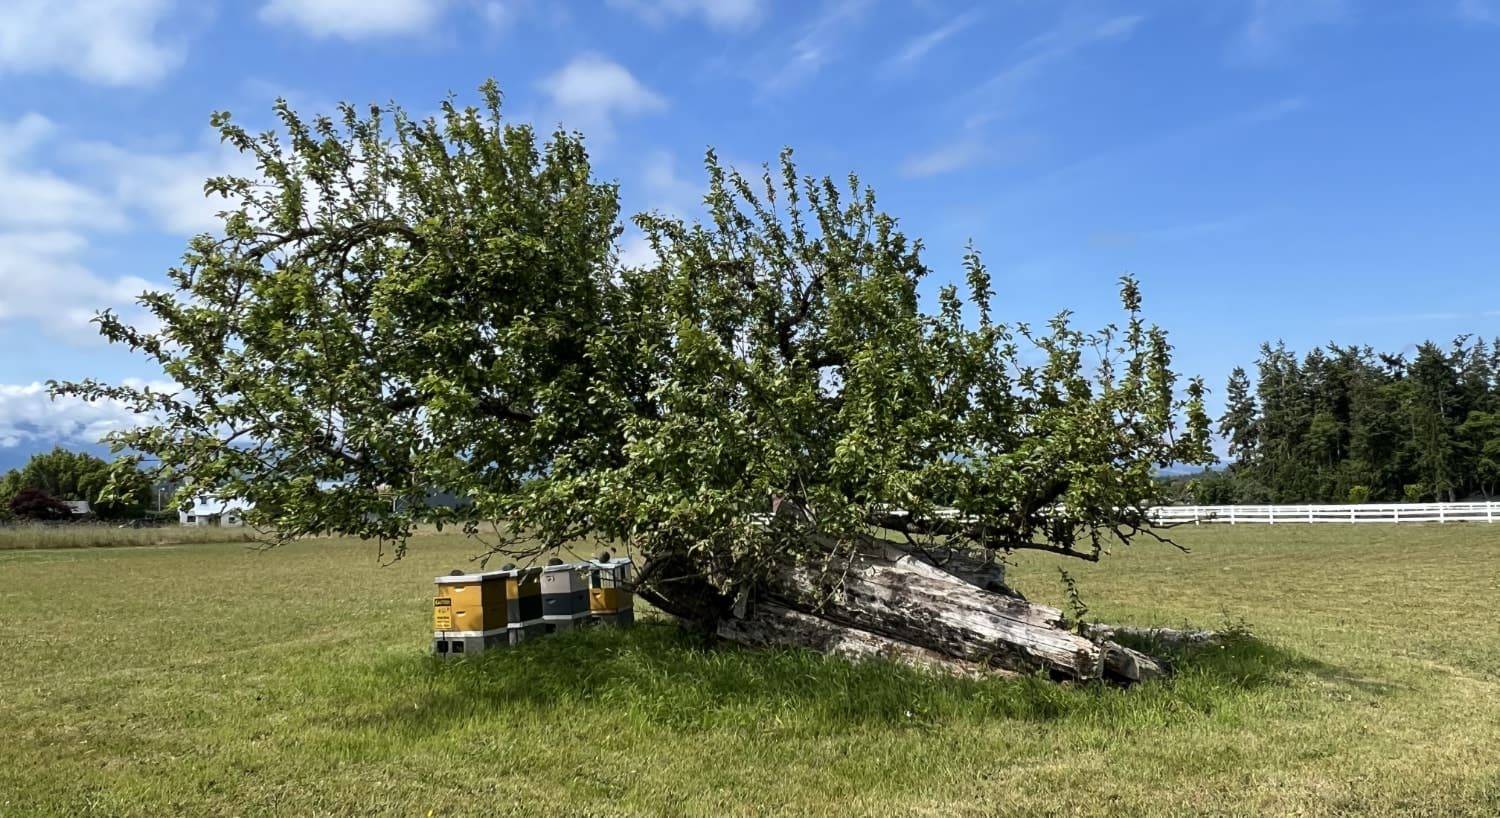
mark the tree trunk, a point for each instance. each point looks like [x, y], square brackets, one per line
[895, 605]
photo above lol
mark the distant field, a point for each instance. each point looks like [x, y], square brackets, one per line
[212, 680]
[109, 535]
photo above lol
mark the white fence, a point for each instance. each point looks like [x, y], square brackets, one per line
[1359, 513]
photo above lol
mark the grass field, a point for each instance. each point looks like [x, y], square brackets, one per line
[217, 680]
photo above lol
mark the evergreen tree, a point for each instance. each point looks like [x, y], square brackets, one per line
[1433, 404]
[1346, 423]
[1239, 420]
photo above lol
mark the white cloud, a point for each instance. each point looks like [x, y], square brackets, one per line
[28, 414]
[664, 192]
[973, 146]
[48, 222]
[20, 137]
[497, 15]
[1273, 111]
[1478, 11]
[945, 159]
[815, 48]
[168, 187]
[1055, 46]
[1188, 231]
[47, 285]
[1068, 179]
[1273, 23]
[110, 42]
[922, 45]
[999, 95]
[720, 14]
[591, 92]
[39, 199]
[355, 19]
[635, 251]
[667, 191]
[42, 219]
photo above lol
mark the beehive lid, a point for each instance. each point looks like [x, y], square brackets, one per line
[513, 573]
[466, 579]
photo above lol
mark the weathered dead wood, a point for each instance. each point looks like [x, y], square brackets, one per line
[1129, 665]
[987, 574]
[770, 625]
[911, 601]
[1011, 604]
[1170, 638]
[892, 604]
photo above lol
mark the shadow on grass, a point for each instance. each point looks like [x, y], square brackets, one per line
[1247, 662]
[655, 676]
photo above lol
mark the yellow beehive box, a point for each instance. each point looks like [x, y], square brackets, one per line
[523, 597]
[610, 597]
[470, 604]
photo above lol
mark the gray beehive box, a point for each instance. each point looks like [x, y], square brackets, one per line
[565, 595]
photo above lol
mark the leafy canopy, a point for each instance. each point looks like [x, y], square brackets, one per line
[397, 306]
[110, 492]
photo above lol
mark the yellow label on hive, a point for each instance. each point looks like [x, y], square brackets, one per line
[442, 614]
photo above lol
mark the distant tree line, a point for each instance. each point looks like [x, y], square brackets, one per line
[1348, 425]
[37, 490]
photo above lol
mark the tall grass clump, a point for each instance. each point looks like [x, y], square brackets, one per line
[104, 535]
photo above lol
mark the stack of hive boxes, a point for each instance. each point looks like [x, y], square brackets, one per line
[610, 598]
[469, 613]
[523, 597]
[474, 612]
[565, 596]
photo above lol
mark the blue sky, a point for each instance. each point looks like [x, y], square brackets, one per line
[1309, 170]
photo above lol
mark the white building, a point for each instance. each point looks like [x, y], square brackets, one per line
[213, 512]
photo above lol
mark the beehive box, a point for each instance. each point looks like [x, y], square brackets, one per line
[523, 595]
[469, 613]
[610, 598]
[565, 595]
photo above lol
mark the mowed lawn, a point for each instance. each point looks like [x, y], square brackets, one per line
[217, 680]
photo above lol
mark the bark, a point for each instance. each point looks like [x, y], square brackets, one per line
[673, 585]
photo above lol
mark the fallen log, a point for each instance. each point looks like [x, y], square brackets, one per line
[771, 625]
[1130, 665]
[1170, 638]
[911, 601]
[899, 606]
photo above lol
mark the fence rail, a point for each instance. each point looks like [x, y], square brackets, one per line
[1352, 513]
